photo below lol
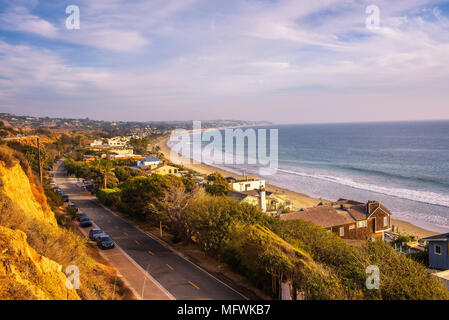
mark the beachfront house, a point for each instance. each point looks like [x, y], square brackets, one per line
[438, 251]
[161, 168]
[273, 204]
[246, 184]
[348, 219]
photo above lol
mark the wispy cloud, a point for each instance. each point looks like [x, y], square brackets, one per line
[236, 59]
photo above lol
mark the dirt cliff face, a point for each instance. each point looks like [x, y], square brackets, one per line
[24, 274]
[15, 185]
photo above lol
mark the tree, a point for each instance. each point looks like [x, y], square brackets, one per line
[106, 168]
[143, 197]
[216, 184]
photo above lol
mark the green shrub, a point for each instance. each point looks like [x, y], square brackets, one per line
[109, 197]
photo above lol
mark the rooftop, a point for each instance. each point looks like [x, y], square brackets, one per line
[337, 213]
[438, 237]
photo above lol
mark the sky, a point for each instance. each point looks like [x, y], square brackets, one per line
[285, 61]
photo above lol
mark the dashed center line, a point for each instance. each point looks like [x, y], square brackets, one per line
[125, 233]
[169, 266]
[151, 252]
[194, 285]
[137, 242]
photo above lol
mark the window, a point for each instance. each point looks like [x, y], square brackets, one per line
[361, 224]
[342, 231]
[385, 221]
[437, 249]
[352, 226]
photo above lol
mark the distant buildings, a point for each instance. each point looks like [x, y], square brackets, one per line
[438, 251]
[118, 141]
[97, 143]
[348, 219]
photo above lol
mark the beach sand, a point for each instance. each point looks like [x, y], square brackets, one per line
[298, 200]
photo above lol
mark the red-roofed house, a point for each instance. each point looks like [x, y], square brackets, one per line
[348, 219]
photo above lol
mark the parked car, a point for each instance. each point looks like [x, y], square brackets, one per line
[52, 174]
[81, 215]
[65, 198]
[52, 183]
[85, 223]
[105, 242]
[95, 233]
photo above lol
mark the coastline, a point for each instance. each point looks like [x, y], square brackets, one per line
[299, 200]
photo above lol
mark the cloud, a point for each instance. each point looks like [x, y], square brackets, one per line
[19, 19]
[235, 59]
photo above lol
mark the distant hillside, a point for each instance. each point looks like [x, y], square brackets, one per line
[160, 127]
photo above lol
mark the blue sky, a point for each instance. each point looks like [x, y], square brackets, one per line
[284, 61]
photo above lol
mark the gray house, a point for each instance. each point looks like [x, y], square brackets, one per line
[438, 251]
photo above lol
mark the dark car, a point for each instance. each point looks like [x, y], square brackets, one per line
[81, 215]
[85, 223]
[74, 206]
[95, 233]
[105, 242]
[65, 198]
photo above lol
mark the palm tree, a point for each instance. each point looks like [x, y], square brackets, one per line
[106, 168]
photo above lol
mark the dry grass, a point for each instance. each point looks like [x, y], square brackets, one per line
[98, 280]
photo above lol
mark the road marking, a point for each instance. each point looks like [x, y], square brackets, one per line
[169, 266]
[194, 285]
[137, 242]
[126, 233]
[151, 252]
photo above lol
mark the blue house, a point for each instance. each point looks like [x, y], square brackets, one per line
[438, 251]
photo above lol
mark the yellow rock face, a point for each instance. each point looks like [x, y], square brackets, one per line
[24, 274]
[16, 186]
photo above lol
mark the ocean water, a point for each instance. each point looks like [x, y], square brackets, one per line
[403, 164]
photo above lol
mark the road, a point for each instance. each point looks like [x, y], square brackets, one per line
[180, 277]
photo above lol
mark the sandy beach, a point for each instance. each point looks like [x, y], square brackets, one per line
[298, 200]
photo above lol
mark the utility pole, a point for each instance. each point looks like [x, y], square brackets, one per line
[39, 156]
[160, 228]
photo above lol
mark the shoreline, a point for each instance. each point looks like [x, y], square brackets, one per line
[299, 200]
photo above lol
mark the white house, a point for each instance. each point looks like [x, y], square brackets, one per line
[96, 143]
[117, 142]
[148, 161]
[246, 184]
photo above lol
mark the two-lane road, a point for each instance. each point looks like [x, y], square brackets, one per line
[178, 276]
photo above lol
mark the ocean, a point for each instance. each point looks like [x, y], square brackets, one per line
[405, 165]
